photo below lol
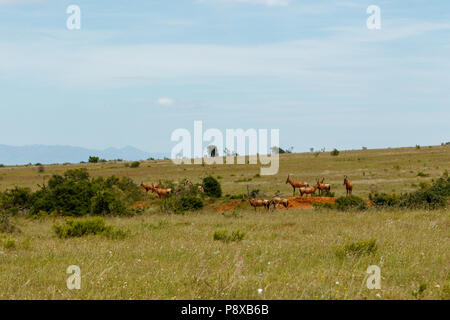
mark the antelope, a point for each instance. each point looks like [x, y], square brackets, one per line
[162, 192]
[258, 202]
[348, 185]
[147, 187]
[296, 184]
[309, 190]
[323, 186]
[188, 185]
[278, 200]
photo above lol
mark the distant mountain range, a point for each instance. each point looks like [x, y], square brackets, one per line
[12, 155]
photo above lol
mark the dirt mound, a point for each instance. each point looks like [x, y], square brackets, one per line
[307, 202]
[294, 203]
[229, 206]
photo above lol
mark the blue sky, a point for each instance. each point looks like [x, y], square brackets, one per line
[138, 70]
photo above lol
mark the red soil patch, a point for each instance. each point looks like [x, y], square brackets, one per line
[140, 205]
[307, 202]
[229, 206]
[294, 203]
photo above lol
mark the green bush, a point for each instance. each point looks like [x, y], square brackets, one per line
[222, 235]
[359, 248]
[347, 203]
[335, 152]
[107, 202]
[6, 226]
[428, 197]
[93, 159]
[93, 226]
[20, 198]
[135, 164]
[190, 203]
[181, 204]
[74, 194]
[212, 187]
[9, 243]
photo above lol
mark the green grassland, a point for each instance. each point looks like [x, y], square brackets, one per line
[289, 254]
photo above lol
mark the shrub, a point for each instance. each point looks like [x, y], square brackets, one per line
[359, 248]
[428, 197]
[79, 228]
[212, 187]
[348, 203]
[222, 235]
[335, 152]
[190, 203]
[384, 200]
[237, 236]
[20, 198]
[418, 294]
[74, 194]
[9, 243]
[41, 169]
[93, 159]
[135, 164]
[181, 204]
[108, 202]
[421, 174]
[6, 226]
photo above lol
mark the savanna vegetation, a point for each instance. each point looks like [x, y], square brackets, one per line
[130, 244]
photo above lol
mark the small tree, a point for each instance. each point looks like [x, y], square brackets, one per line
[93, 159]
[335, 152]
[212, 187]
[135, 164]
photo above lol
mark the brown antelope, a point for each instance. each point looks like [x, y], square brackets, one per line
[162, 192]
[188, 185]
[258, 202]
[323, 186]
[296, 184]
[309, 190]
[147, 187]
[278, 200]
[348, 185]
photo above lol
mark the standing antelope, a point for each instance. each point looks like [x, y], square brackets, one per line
[348, 185]
[188, 184]
[296, 184]
[162, 192]
[309, 190]
[258, 202]
[147, 187]
[324, 186]
[278, 200]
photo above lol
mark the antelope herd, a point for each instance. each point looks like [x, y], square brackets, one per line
[304, 189]
[303, 186]
[154, 187]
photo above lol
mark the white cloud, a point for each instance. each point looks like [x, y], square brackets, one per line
[164, 101]
[346, 54]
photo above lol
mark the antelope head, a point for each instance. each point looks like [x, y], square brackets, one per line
[287, 180]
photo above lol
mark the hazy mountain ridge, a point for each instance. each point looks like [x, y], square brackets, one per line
[16, 155]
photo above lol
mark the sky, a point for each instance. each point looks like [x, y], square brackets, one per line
[138, 70]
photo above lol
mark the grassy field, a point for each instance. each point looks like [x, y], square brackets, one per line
[293, 254]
